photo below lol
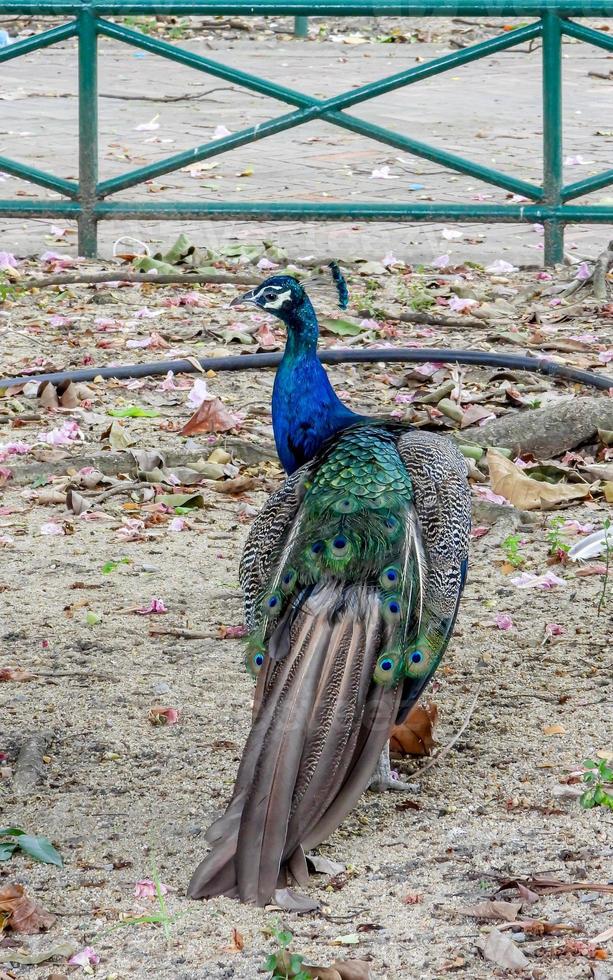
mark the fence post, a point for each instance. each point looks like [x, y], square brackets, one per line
[88, 129]
[552, 133]
[301, 26]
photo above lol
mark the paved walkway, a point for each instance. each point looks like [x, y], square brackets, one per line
[489, 111]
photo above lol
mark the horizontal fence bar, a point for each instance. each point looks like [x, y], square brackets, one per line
[39, 209]
[315, 8]
[34, 176]
[350, 211]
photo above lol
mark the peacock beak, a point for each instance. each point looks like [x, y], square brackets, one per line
[245, 298]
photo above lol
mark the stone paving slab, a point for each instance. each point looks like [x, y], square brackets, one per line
[489, 111]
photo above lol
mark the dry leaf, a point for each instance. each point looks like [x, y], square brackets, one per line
[239, 484]
[238, 942]
[76, 502]
[117, 436]
[48, 395]
[341, 970]
[527, 494]
[212, 416]
[414, 736]
[323, 865]
[501, 950]
[24, 914]
[69, 394]
[554, 730]
[15, 674]
[62, 950]
[507, 911]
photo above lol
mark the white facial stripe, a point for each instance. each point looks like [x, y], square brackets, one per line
[276, 304]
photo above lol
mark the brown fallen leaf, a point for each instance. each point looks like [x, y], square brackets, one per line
[21, 913]
[507, 911]
[502, 951]
[341, 970]
[415, 735]
[240, 484]
[554, 730]
[15, 674]
[212, 416]
[238, 942]
[47, 395]
[527, 494]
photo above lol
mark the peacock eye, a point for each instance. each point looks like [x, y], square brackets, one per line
[258, 659]
[417, 657]
[269, 294]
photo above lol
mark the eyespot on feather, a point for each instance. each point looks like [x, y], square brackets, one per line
[417, 662]
[254, 661]
[392, 609]
[272, 603]
[288, 579]
[389, 577]
[387, 669]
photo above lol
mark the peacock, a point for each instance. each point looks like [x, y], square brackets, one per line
[352, 575]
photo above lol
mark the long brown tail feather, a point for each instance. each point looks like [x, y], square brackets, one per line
[320, 726]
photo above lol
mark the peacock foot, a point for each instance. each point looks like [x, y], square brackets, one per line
[385, 778]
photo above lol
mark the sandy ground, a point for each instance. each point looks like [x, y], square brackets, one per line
[120, 794]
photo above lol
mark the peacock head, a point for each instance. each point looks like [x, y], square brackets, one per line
[283, 296]
[286, 298]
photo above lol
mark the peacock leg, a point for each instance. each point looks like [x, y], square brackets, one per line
[382, 778]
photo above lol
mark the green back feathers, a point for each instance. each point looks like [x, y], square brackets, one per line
[356, 523]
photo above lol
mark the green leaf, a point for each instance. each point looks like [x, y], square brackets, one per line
[7, 848]
[11, 831]
[295, 962]
[342, 328]
[110, 566]
[271, 962]
[590, 764]
[179, 250]
[40, 849]
[133, 412]
[181, 500]
[93, 618]
[284, 938]
[146, 264]
[587, 800]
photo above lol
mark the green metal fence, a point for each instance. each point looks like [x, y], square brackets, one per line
[88, 200]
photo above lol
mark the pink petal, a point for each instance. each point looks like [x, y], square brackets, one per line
[146, 888]
[51, 528]
[503, 622]
[500, 266]
[155, 606]
[583, 271]
[554, 629]
[85, 957]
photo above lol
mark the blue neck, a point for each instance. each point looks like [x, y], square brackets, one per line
[305, 408]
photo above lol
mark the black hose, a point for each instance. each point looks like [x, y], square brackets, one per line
[343, 355]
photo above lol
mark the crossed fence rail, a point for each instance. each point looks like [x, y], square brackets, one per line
[88, 202]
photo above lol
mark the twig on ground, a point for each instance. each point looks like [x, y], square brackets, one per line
[430, 320]
[30, 768]
[182, 634]
[93, 278]
[447, 749]
[185, 97]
